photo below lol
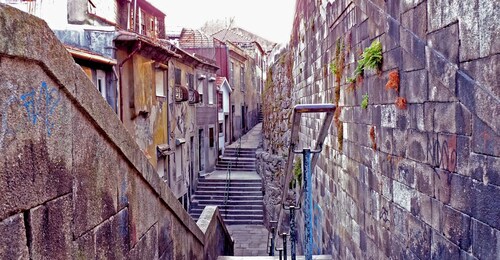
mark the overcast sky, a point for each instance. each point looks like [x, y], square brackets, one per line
[271, 19]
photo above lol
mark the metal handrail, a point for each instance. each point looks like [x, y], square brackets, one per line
[329, 109]
[228, 183]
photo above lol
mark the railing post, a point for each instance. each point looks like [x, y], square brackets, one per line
[293, 233]
[308, 207]
[273, 237]
[284, 245]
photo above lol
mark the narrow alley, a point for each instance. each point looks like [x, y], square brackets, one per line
[240, 130]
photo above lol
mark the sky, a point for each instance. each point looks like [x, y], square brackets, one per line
[271, 19]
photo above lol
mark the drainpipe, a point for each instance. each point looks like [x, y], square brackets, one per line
[120, 66]
[135, 15]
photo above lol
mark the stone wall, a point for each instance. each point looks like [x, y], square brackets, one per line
[415, 174]
[73, 182]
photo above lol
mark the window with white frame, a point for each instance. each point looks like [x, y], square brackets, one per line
[210, 93]
[101, 82]
[200, 90]
[160, 83]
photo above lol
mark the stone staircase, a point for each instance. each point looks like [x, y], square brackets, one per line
[242, 207]
[240, 159]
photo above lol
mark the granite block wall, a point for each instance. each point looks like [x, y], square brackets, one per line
[414, 175]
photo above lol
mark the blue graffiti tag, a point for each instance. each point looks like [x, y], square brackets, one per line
[42, 108]
[318, 233]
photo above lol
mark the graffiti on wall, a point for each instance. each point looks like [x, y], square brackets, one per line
[317, 229]
[443, 152]
[40, 105]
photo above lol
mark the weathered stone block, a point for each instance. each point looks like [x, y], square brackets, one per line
[424, 175]
[96, 190]
[414, 86]
[112, 237]
[442, 186]
[419, 238]
[484, 72]
[417, 146]
[147, 247]
[403, 195]
[84, 247]
[441, 248]
[392, 59]
[480, 234]
[416, 117]
[456, 227]
[478, 101]
[51, 229]
[415, 19]
[143, 208]
[452, 118]
[440, 92]
[35, 142]
[486, 205]
[414, 46]
[410, 63]
[484, 139]
[400, 138]
[13, 246]
[388, 114]
[446, 42]
[405, 172]
[485, 169]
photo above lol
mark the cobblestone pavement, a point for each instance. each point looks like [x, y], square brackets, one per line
[249, 240]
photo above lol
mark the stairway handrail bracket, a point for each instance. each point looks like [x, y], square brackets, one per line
[308, 164]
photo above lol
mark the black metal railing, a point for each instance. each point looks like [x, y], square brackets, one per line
[310, 157]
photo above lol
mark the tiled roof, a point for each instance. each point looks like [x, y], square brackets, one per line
[219, 81]
[191, 38]
[230, 35]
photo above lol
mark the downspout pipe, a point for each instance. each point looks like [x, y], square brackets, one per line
[120, 66]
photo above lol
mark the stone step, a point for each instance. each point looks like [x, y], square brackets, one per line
[234, 217]
[231, 192]
[239, 169]
[233, 183]
[231, 202]
[235, 162]
[230, 207]
[231, 197]
[245, 159]
[199, 210]
[243, 222]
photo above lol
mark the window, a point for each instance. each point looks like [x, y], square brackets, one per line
[221, 128]
[200, 90]
[231, 73]
[201, 155]
[210, 93]
[101, 82]
[211, 136]
[219, 100]
[190, 79]
[177, 76]
[159, 81]
[142, 21]
[242, 79]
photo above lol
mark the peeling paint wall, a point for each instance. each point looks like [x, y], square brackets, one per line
[412, 179]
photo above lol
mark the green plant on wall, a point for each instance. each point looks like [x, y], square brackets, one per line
[371, 58]
[337, 68]
[297, 174]
[364, 102]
